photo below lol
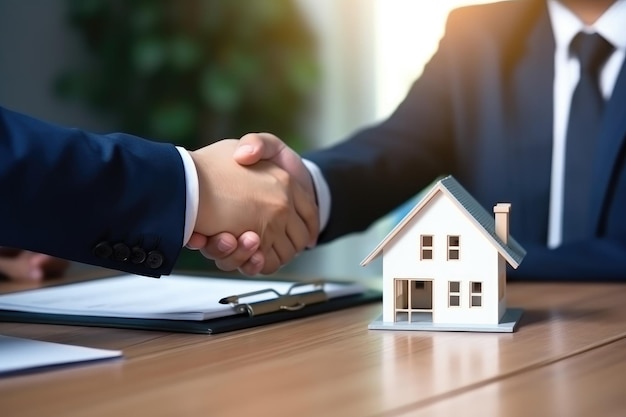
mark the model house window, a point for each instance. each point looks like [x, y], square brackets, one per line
[453, 247]
[476, 294]
[454, 293]
[426, 247]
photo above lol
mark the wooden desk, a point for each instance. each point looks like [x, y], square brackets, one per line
[567, 355]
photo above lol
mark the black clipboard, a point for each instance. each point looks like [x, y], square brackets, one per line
[280, 308]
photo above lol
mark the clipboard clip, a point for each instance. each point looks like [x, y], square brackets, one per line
[290, 301]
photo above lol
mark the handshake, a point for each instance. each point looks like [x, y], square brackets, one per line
[256, 211]
[257, 207]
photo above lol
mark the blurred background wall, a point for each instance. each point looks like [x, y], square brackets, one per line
[365, 54]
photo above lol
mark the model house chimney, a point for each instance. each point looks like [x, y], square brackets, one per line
[501, 211]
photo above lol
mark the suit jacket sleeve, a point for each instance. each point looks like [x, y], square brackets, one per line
[115, 201]
[381, 166]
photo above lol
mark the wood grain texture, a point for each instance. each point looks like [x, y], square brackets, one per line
[329, 365]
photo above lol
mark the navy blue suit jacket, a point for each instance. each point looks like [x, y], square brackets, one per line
[482, 111]
[116, 200]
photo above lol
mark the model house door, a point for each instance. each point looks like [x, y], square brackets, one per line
[412, 296]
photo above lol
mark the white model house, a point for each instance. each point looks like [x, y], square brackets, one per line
[444, 265]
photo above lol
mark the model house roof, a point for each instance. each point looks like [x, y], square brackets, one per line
[512, 251]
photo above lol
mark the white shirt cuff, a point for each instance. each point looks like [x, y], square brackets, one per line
[192, 193]
[322, 191]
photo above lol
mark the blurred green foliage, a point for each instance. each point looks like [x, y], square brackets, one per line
[194, 71]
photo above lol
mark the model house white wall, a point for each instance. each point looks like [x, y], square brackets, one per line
[478, 262]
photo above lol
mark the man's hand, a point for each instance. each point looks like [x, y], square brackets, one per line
[262, 199]
[23, 265]
[231, 253]
[255, 147]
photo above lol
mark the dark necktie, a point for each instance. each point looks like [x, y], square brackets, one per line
[583, 129]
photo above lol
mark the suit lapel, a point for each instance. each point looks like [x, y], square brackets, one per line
[532, 84]
[612, 138]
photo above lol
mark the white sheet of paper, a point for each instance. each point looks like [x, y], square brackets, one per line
[175, 297]
[17, 354]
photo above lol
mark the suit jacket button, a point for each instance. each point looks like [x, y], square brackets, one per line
[103, 250]
[154, 259]
[121, 252]
[137, 255]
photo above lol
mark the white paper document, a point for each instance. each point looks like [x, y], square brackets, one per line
[174, 297]
[17, 354]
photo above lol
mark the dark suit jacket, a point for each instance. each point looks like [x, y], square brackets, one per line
[482, 111]
[115, 201]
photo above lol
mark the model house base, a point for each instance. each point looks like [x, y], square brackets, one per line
[424, 322]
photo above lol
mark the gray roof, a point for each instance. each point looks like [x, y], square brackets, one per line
[512, 251]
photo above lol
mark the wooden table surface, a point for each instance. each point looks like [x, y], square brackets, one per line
[568, 357]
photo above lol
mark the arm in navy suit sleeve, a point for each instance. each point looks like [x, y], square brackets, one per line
[444, 125]
[601, 257]
[116, 201]
[381, 166]
[595, 259]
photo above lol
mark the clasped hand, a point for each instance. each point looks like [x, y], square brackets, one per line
[257, 206]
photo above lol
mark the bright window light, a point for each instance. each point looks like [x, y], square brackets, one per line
[407, 33]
